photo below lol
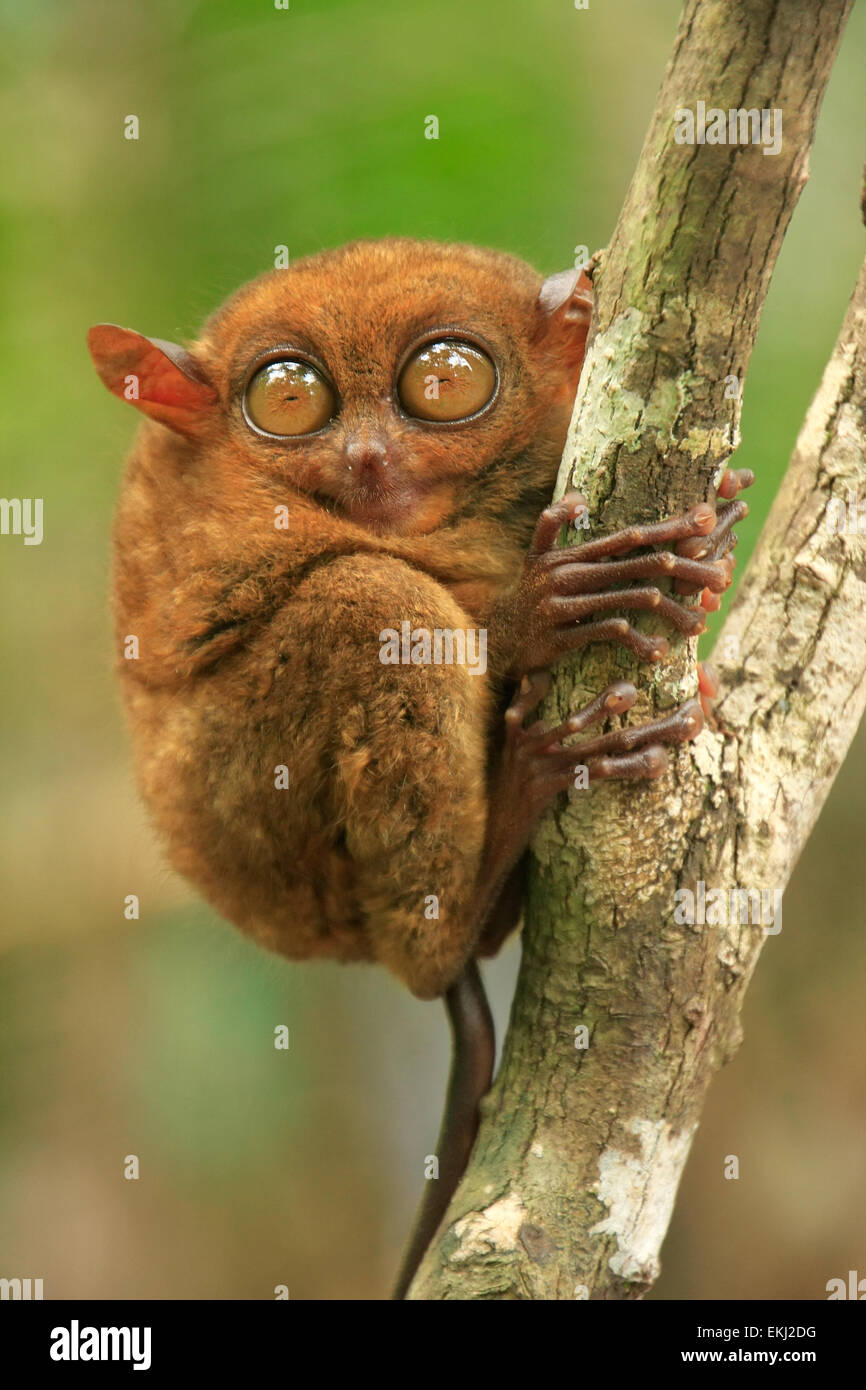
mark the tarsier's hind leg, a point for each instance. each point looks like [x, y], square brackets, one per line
[408, 775]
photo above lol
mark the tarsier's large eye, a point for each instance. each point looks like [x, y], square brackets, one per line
[289, 397]
[447, 380]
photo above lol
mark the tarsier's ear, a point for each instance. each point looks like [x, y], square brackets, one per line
[565, 307]
[158, 378]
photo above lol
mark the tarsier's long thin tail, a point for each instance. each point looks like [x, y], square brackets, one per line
[474, 1050]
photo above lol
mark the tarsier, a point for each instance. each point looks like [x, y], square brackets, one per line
[367, 440]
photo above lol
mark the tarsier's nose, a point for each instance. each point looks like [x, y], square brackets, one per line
[367, 457]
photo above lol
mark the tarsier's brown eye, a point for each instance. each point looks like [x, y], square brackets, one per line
[289, 397]
[447, 380]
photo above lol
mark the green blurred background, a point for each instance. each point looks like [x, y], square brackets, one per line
[305, 127]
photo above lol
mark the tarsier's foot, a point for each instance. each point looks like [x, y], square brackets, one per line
[539, 763]
[536, 764]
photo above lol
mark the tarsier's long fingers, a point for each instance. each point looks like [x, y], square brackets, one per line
[650, 759]
[539, 763]
[646, 765]
[615, 699]
[711, 599]
[573, 576]
[565, 590]
[540, 737]
[632, 753]
[619, 630]
[724, 539]
[681, 726]
[533, 767]
[687, 620]
[713, 544]
[733, 480]
[589, 569]
[696, 522]
[528, 696]
[536, 764]
[560, 513]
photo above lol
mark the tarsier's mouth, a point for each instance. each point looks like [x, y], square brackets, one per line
[373, 504]
[382, 510]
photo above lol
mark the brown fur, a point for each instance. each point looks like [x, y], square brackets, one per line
[259, 647]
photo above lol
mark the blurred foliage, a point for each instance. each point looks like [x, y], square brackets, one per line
[305, 127]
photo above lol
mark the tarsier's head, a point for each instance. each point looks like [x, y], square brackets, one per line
[380, 380]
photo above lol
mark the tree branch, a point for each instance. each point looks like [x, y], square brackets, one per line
[574, 1174]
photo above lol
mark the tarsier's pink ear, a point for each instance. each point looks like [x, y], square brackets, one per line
[564, 314]
[158, 378]
[567, 296]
